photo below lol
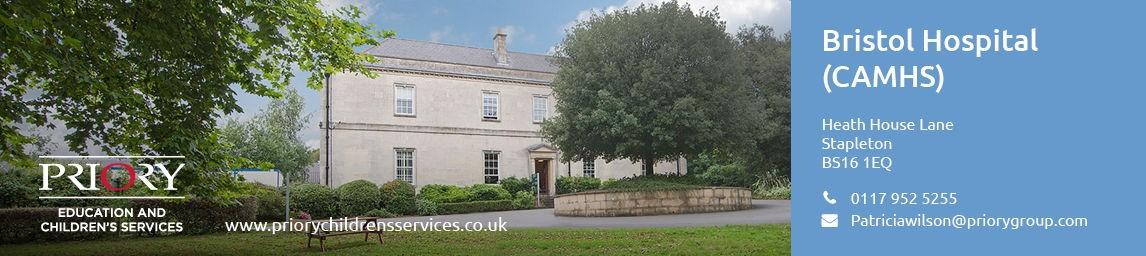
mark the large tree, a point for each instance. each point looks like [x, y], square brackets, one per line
[768, 68]
[650, 83]
[273, 136]
[150, 77]
[766, 161]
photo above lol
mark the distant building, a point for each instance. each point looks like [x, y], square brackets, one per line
[265, 177]
[448, 114]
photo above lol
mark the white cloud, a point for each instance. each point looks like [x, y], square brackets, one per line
[368, 8]
[438, 35]
[736, 13]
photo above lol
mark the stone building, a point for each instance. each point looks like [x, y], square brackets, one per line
[448, 114]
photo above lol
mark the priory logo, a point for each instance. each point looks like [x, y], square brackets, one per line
[112, 173]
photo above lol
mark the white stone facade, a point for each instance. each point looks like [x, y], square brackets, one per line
[447, 131]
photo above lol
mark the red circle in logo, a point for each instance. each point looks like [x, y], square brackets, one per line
[107, 183]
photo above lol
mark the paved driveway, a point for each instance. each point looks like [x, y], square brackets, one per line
[762, 212]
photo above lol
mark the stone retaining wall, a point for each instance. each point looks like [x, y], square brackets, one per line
[677, 201]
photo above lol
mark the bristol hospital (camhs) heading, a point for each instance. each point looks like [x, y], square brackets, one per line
[913, 76]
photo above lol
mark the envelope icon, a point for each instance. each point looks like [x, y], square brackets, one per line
[829, 220]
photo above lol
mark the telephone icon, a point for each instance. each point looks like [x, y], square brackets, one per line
[829, 199]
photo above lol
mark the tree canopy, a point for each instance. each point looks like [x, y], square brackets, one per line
[150, 77]
[768, 69]
[766, 163]
[650, 83]
[273, 136]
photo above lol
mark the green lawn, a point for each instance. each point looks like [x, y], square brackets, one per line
[740, 240]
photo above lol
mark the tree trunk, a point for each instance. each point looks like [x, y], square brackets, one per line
[648, 165]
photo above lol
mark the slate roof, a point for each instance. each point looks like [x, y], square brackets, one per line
[456, 54]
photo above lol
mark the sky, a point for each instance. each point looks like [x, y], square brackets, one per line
[532, 27]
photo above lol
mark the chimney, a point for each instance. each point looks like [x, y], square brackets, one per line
[499, 51]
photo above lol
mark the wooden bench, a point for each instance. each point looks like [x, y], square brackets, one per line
[321, 235]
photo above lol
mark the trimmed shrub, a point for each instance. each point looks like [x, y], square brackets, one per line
[487, 192]
[197, 215]
[523, 200]
[433, 191]
[380, 213]
[515, 184]
[319, 201]
[457, 195]
[22, 225]
[427, 207]
[446, 194]
[271, 203]
[574, 184]
[398, 197]
[731, 175]
[201, 216]
[608, 183]
[476, 206]
[358, 197]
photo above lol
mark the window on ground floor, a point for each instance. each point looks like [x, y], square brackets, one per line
[491, 166]
[589, 168]
[404, 164]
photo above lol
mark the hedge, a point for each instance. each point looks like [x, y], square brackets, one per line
[197, 215]
[523, 200]
[319, 201]
[427, 207]
[446, 194]
[514, 184]
[201, 216]
[271, 203]
[731, 175]
[487, 192]
[21, 225]
[476, 206]
[358, 197]
[574, 184]
[380, 213]
[398, 197]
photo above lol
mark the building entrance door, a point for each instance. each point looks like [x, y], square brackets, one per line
[541, 167]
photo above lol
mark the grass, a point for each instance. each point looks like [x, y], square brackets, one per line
[736, 240]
